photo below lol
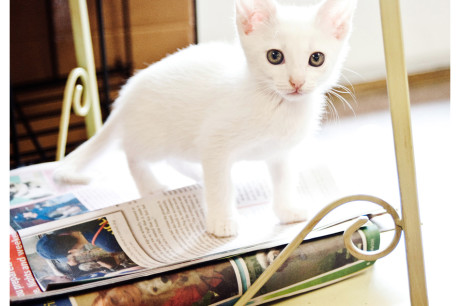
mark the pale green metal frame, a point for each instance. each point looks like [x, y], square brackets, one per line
[87, 91]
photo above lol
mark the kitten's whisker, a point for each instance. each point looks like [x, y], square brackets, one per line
[351, 93]
[330, 107]
[352, 71]
[340, 98]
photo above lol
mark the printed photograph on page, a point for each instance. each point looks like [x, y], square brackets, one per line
[204, 285]
[28, 187]
[51, 209]
[81, 252]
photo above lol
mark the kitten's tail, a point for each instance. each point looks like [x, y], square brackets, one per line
[69, 172]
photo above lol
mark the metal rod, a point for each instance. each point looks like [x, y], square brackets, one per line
[53, 56]
[127, 36]
[102, 51]
[398, 92]
[85, 59]
[25, 122]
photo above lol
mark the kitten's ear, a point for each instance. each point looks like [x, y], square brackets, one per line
[335, 17]
[250, 14]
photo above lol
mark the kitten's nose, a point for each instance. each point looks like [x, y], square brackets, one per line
[296, 84]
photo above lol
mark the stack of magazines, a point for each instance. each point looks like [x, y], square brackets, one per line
[89, 245]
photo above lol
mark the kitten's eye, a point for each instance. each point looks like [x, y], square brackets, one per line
[316, 59]
[275, 57]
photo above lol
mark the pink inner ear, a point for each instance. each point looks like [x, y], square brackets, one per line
[335, 17]
[253, 20]
[340, 29]
[336, 24]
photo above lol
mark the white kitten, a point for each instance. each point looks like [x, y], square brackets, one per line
[219, 103]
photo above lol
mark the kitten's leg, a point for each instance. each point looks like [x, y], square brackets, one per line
[221, 214]
[286, 202]
[146, 182]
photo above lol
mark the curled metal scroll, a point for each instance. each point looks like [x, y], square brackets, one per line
[77, 95]
[358, 253]
[359, 222]
[74, 91]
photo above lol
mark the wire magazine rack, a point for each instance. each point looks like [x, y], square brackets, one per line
[398, 92]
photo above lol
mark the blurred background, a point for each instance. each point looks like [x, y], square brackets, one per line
[426, 32]
[126, 35]
[130, 35]
[426, 27]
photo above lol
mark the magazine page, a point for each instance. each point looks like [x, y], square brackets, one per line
[171, 227]
[57, 207]
[82, 252]
[33, 183]
[36, 199]
[22, 281]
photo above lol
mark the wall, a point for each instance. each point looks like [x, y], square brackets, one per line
[425, 28]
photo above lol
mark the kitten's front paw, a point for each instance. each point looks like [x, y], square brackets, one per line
[292, 214]
[222, 227]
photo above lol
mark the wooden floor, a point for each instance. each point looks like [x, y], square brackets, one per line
[372, 96]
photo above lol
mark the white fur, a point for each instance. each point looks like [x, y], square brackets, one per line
[220, 103]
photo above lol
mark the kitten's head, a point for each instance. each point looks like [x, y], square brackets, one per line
[294, 51]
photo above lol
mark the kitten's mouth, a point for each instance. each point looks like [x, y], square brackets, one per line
[295, 93]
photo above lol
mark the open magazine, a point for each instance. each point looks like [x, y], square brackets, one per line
[65, 241]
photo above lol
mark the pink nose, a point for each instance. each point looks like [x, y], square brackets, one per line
[296, 84]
